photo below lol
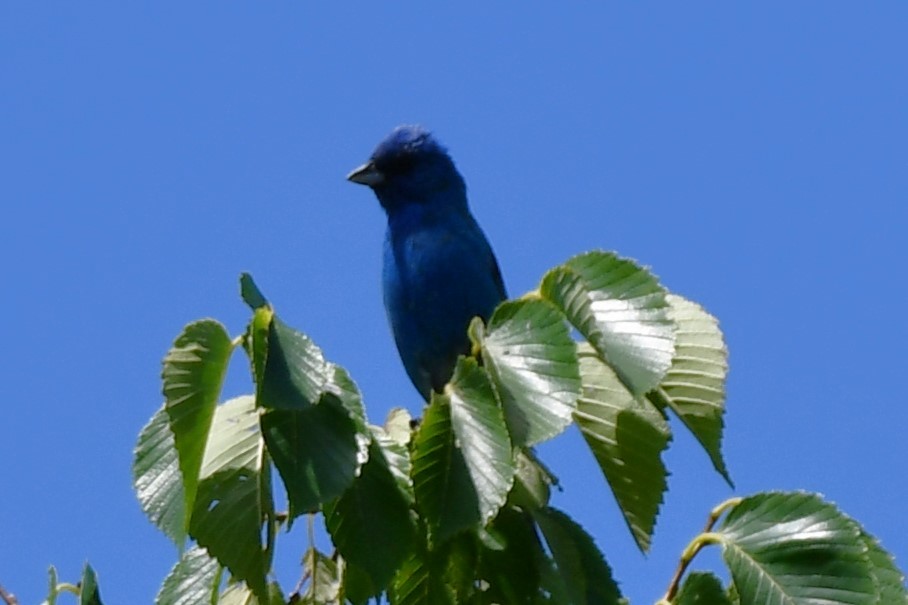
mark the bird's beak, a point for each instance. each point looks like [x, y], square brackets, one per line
[367, 174]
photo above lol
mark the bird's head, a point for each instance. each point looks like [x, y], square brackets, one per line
[410, 167]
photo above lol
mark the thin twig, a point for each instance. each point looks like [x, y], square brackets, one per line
[8, 597]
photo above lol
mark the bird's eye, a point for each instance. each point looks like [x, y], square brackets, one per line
[399, 164]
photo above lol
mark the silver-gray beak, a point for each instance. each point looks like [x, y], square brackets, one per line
[367, 174]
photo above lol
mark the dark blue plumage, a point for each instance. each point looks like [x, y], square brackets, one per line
[439, 270]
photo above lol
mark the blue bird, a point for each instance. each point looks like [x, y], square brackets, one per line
[439, 271]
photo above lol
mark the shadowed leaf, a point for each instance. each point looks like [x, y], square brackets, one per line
[193, 373]
[445, 494]
[627, 436]
[315, 450]
[234, 495]
[702, 588]
[694, 387]
[586, 576]
[375, 510]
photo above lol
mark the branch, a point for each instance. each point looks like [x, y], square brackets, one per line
[8, 597]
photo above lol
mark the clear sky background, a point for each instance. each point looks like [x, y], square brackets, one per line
[754, 155]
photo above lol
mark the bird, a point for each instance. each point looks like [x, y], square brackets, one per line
[438, 268]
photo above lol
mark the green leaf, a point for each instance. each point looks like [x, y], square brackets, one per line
[370, 524]
[462, 462]
[481, 435]
[296, 373]
[193, 373]
[794, 548]
[888, 579]
[694, 387]
[586, 576]
[291, 372]
[509, 568]
[323, 587]
[357, 586]
[702, 588]
[89, 593]
[621, 309]
[233, 496]
[398, 426]
[532, 481]
[192, 581]
[420, 581]
[239, 594]
[250, 292]
[627, 437]
[53, 590]
[459, 558]
[445, 494]
[157, 478]
[314, 424]
[532, 359]
[315, 449]
[342, 386]
[394, 440]
[554, 591]
[397, 458]
[256, 343]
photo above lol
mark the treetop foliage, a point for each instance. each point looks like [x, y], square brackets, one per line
[454, 507]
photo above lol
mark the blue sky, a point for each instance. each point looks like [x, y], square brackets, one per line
[755, 156]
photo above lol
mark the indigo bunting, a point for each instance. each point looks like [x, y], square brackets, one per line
[438, 268]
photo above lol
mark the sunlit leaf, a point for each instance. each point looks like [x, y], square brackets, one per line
[794, 548]
[532, 359]
[239, 594]
[397, 457]
[324, 583]
[398, 426]
[620, 308]
[157, 478]
[481, 435]
[192, 581]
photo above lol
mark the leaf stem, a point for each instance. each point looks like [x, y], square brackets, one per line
[705, 538]
[71, 588]
[720, 510]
